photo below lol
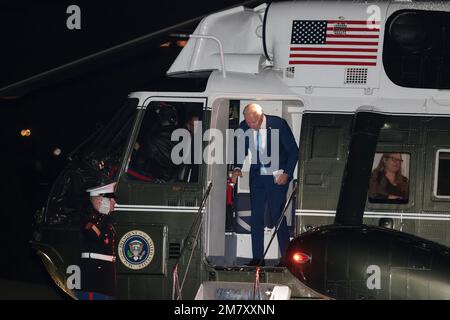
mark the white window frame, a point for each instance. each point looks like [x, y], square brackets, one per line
[436, 172]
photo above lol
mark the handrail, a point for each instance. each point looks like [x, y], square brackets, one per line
[200, 36]
[280, 220]
[198, 218]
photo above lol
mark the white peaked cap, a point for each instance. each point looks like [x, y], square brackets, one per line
[97, 191]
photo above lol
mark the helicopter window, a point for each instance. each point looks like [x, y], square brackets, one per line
[389, 182]
[100, 157]
[442, 174]
[104, 151]
[152, 159]
[417, 49]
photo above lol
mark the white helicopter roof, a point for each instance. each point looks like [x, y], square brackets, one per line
[273, 50]
[288, 36]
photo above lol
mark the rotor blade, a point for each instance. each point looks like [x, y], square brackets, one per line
[25, 86]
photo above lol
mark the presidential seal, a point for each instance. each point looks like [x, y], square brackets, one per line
[136, 249]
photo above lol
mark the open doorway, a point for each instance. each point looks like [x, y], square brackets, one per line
[228, 234]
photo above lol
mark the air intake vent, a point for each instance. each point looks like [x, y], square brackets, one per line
[172, 202]
[190, 203]
[356, 76]
[174, 250]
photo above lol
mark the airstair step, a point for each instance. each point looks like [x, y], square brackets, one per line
[221, 290]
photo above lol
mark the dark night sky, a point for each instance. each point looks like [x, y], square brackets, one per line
[37, 38]
[64, 112]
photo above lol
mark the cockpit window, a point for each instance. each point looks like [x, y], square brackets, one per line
[96, 163]
[164, 149]
[105, 149]
[417, 49]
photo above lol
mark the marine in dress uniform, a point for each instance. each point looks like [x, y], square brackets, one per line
[98, 268]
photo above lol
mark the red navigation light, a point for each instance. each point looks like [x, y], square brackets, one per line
[300, 257]
[181, 43]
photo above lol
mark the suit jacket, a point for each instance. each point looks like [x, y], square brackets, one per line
[288, 150]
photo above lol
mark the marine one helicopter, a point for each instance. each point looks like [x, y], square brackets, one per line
[380, 70]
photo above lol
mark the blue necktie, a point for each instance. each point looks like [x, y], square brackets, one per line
[263, 170]
[258, 140]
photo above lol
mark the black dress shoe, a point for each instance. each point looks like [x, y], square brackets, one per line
[256, 263]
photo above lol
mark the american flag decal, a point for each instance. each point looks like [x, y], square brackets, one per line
[334, 42]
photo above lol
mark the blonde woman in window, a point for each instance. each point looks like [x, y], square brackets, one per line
[387, 181]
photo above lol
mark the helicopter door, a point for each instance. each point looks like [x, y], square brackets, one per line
[228, 234]
[291, 112]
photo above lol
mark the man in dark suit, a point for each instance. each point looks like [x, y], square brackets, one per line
[268, 181]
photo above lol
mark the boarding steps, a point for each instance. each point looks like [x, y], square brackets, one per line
[221, 290]
[238, 282]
